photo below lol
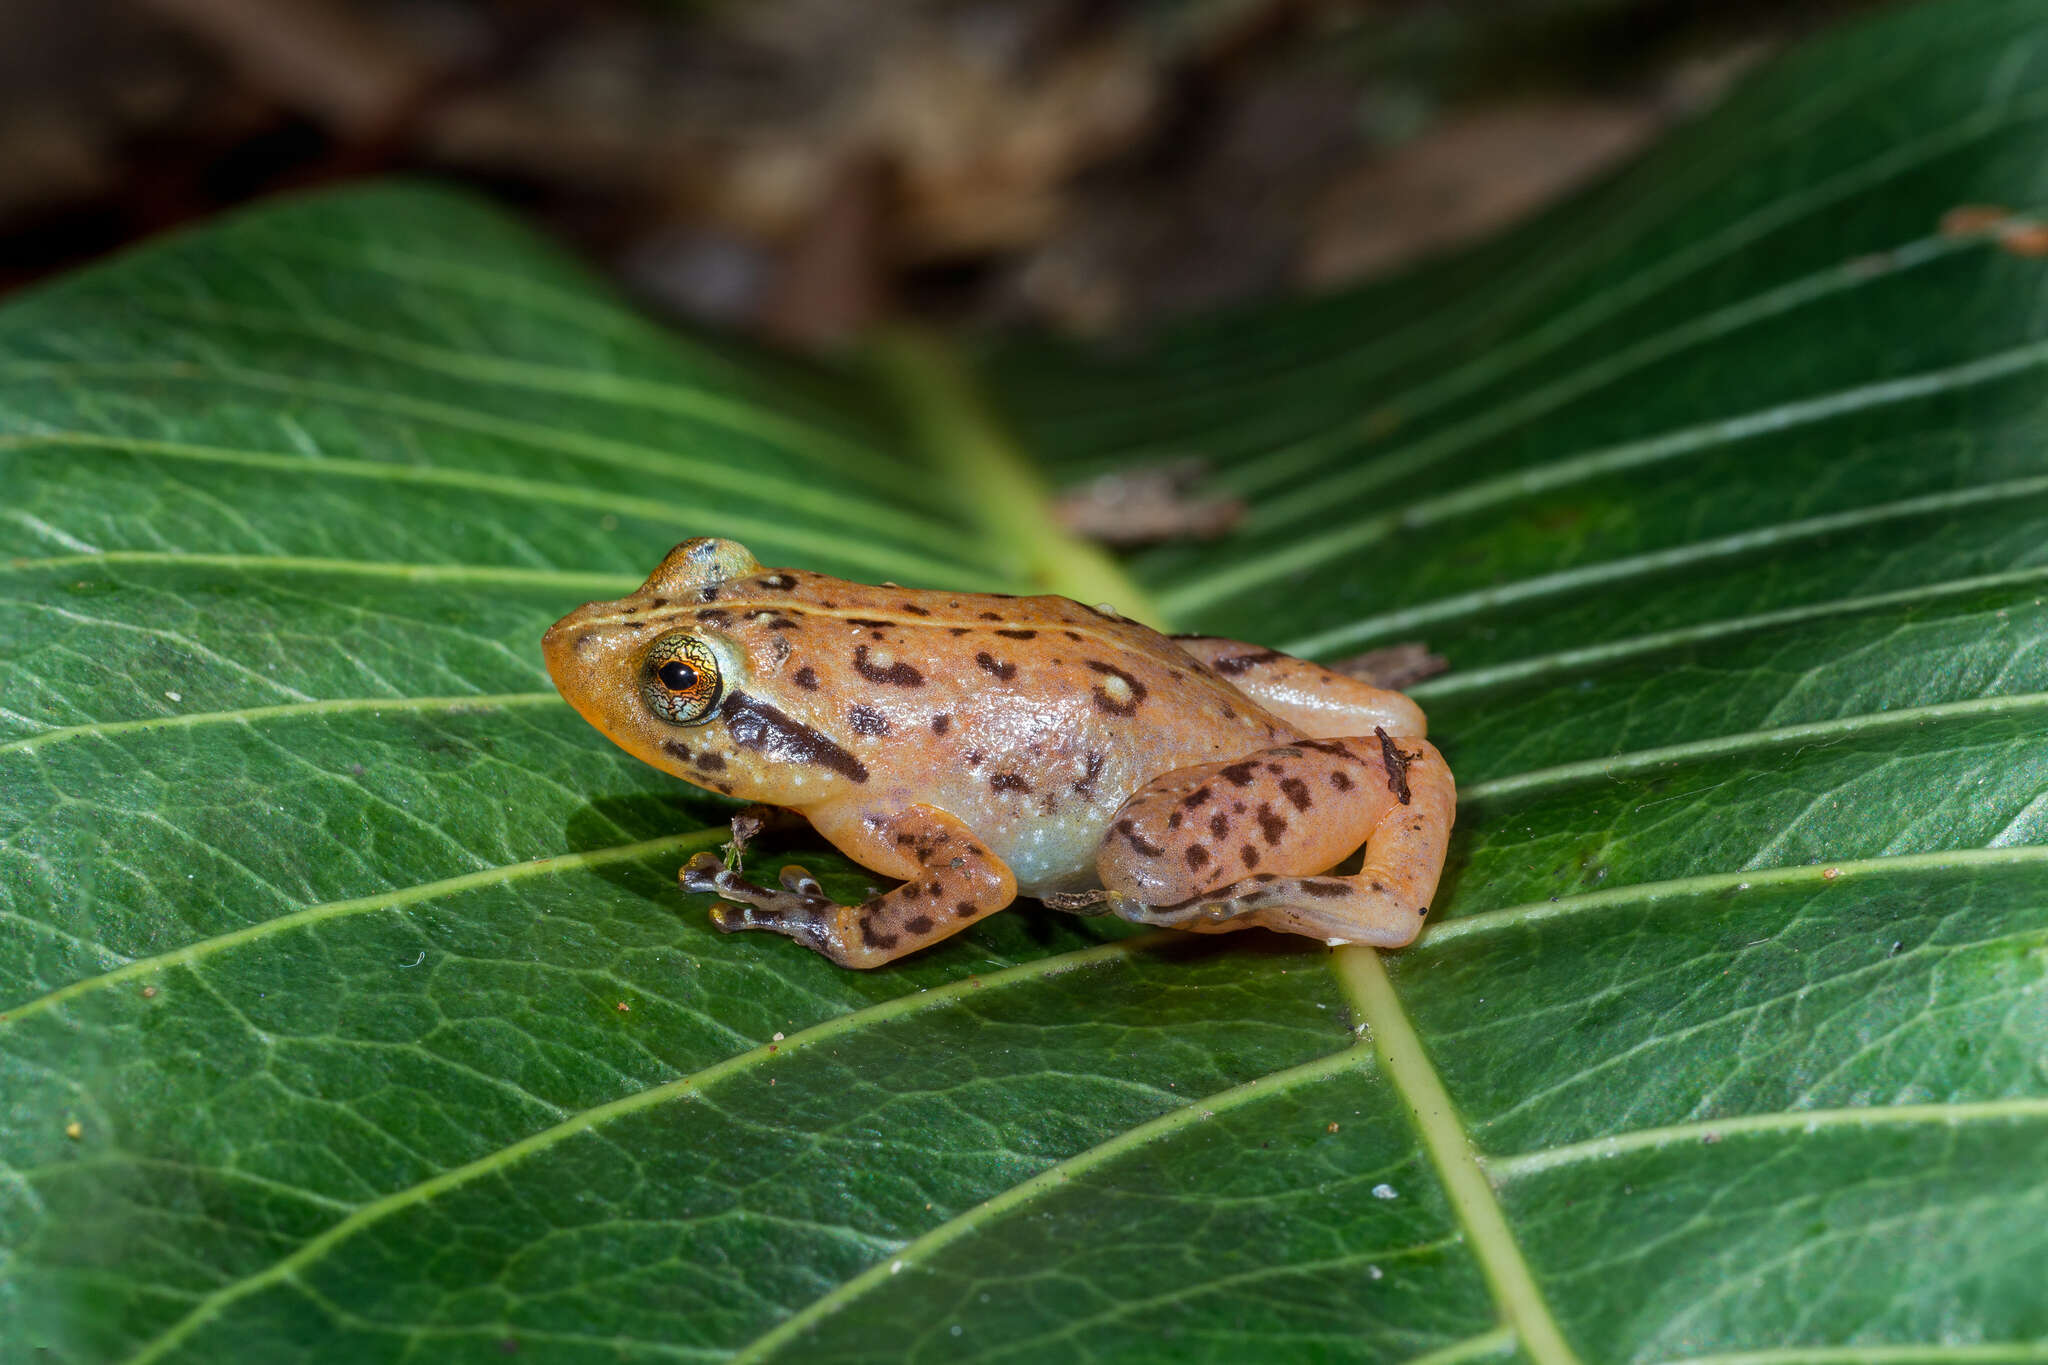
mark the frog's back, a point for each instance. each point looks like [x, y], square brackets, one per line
[1029, 718]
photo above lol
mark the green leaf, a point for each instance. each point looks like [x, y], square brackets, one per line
[349, 1009]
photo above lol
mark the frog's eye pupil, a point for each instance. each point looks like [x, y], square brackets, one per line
[677, 676]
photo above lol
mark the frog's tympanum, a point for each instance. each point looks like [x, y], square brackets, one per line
[978, 746]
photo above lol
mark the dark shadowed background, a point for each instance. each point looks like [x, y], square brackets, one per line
[795, 167]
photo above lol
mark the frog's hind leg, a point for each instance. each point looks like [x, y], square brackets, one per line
[1315, 700]
[951, 879]
[1226, 846]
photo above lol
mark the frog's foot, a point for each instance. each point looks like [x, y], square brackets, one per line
[800, 900]
[1183, 849]
[953, 880]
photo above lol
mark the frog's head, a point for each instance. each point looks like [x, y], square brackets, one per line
[683, 674]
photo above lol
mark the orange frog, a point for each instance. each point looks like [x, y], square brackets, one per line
[978, 746]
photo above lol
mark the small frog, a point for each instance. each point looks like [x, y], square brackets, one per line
[979, 746]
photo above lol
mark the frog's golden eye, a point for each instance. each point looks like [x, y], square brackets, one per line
[683, 686]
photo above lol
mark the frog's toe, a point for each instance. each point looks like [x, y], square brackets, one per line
[800, 881]
[705, 874]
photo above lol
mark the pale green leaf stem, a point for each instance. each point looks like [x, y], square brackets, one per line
[1450, 1150]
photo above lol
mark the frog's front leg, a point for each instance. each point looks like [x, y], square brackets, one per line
[1225, 846]
[950, 880]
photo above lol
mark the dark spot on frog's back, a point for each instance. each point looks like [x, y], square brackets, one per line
[1018, 634]
[806, 678]
[757, 725]
[1243, 663]
[1296, 791]
[895, 674]
[1000, 668]
[1008, 782]
[1091, 772]
[912, 608]
[866, 720]
[918, 925]
[779, 582]
[941, 723]
[1118, 694]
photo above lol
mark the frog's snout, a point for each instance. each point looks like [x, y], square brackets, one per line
[568, 648]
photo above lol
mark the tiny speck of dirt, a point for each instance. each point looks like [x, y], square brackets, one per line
[1331, 1129]
[1711, 1138]
[1968, 220]
[1829, 874]
[778, 1035]
[74, 1130]
[2025, 239]
[149, 992]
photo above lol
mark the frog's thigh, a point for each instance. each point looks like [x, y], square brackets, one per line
[1236, 845]
[1306, 695]
[951, 879]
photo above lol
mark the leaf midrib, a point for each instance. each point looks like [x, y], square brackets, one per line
[1447, 1142]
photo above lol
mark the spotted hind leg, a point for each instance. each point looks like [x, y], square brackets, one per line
[1227, 846]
